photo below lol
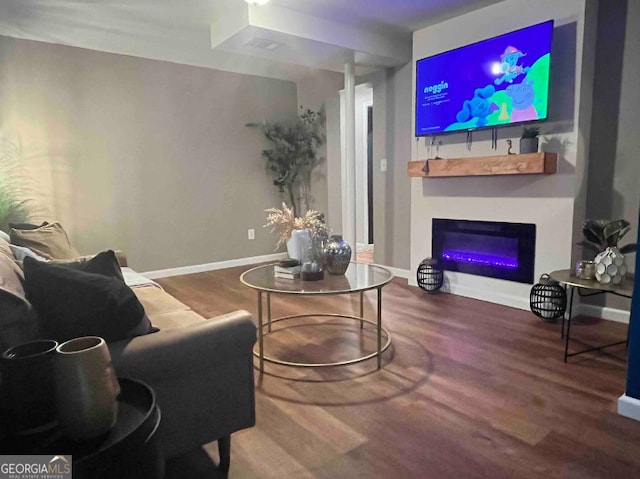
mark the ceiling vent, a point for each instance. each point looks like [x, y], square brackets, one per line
[262, 44]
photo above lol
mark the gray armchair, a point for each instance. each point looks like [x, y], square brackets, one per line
[202, 374]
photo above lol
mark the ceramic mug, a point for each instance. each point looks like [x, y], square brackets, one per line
[86, 388]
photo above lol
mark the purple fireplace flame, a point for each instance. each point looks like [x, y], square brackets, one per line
[472, 257]
[486, 248]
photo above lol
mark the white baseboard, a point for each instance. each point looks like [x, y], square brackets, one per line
[399, 272]
[483, 294]
[201, 268]
[491, 296]
[611, 314]
[522, 302]
[629, 407]
[360, 247]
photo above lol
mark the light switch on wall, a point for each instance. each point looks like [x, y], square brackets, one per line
[383, 165]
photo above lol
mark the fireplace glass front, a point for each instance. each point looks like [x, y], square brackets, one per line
[486, 248]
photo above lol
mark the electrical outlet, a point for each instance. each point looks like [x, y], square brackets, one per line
[383, 165]
[251, 234]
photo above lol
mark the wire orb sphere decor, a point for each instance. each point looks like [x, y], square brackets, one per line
[548, 300]
[430, 275]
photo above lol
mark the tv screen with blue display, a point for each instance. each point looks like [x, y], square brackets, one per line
[498, 81]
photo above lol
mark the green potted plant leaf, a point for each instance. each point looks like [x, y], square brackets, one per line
[529, 140]
[601, 234]
[12, 210]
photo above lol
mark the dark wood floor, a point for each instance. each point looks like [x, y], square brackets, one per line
[468, 389]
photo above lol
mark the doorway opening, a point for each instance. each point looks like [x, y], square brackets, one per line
[363, 184]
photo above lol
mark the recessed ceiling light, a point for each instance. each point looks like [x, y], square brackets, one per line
[256, 3]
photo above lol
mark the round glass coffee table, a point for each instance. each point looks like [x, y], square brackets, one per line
[359, 278]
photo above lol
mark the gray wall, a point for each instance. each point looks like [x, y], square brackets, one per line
[391, 140]
[613, 188]
[401, 183]
[153, 157]
[142, 155]
[627, 177]
[317, 90]
[614, 168]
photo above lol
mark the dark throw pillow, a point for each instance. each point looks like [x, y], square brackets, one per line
[72, 303]
[18, 322]
[104, 263]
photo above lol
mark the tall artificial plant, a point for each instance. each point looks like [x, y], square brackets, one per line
[294, 154]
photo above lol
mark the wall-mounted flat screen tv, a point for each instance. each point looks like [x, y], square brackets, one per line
[498, 81]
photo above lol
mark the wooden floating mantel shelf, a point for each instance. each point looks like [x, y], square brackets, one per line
[527, 164]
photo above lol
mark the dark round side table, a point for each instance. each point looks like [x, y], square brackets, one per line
[130, 450]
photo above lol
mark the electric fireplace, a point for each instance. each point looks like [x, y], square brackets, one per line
[485, 248]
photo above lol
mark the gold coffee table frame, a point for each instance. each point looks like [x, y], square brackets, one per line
[359, 278]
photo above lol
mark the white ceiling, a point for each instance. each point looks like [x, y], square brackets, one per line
[179, 30]
[390, 15]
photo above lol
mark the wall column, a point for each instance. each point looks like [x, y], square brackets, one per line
[349, 162]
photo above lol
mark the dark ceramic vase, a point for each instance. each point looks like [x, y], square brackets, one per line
[27, 390]
[337, 254]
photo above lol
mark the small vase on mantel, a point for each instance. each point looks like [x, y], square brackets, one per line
[610, 266]
[529, 140]
[528, 145]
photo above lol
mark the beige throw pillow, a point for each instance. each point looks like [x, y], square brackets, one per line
[10, 278]
[49, 241]
[5, 249]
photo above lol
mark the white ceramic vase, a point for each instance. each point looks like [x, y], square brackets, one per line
[610, 266]
[86, 388]
[299, 244]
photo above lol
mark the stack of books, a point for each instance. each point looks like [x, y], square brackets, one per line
[286, 272]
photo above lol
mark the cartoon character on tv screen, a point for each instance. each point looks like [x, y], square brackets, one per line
[479, 107]
[522, 96]
[509, 65]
